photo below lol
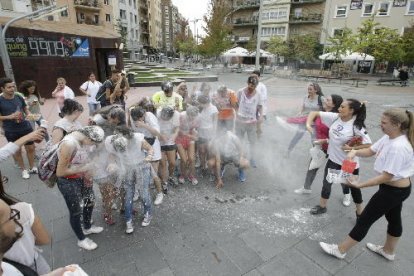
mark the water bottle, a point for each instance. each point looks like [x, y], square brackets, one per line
[43, 126]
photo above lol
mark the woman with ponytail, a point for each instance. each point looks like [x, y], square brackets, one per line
[394, 165]
[344, 127]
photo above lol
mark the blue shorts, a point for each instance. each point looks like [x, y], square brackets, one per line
[15, 135]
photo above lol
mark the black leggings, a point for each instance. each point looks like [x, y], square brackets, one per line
[386, 201]
[326, 188]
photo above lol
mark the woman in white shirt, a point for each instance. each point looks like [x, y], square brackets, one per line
[90, 89]
[345, 125]
[394, 164]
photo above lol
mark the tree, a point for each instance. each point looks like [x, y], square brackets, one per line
[252, 44]
[407, 42]
[388, 46]
[123, 32]
[278, 46]
[341, 43]
[217, 31]
[303, 47]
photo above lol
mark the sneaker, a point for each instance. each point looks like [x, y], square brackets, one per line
[172, 180]
[93, 230]
[212, 178]
[332, 249]
[136, 197]
[147, 219]
[318, 210]
[242, 176]
[379, 249]
[129, 227]
[87, 244]
[108, 219]
[347, 200]
[33, 170]
[303, 191]
[222, 171]
[25, 174]
[158, 199]
[193, 180]
[181, 179]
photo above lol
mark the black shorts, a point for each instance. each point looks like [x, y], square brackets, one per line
[169, 148]
[13, 136]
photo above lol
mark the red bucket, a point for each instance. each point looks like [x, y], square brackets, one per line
[348, 166]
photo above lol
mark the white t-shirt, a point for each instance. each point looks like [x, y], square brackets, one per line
[92, 88]
[167, 127]
[151, 121]
[206, 128]
[262, 90]
[227, 145]
[248, 106]
[9, 270]
[340, 133]
[23, 250]
[394, 156]
[132, 156]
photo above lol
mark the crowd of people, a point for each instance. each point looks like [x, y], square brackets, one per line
[174, 137]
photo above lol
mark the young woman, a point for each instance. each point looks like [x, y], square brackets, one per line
[146, 123]
[71, 111]
[62, 92]
[312, 102]
[343, 126]
[118, 96]
[182, 90]
[331, 104]
[90, 88]
[394, 165]
[187, 136]
[74, 171]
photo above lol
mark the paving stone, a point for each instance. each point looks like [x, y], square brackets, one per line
[66, 252]
[163, 272]
[217, 262]
[253, 272]
[148, 257]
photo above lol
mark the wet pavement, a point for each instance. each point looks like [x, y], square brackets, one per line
[260, 227]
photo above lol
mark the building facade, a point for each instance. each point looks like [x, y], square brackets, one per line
[155, 26]
[173, 24]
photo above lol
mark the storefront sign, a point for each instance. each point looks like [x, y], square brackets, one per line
[47, 46]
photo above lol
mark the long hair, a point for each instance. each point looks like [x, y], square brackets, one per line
[406, 120]
[317, 88]
[360, 111]
[4, 196]
[24, 88]
[337, 101]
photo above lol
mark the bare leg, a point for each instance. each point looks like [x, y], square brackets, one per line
[347, 244]
[359, 208]
[30, 152]
[183, 162]
[323, 202]
[19, 158]
[171, 162]
[390, 244]
[191, 158]
[163, 167]
[157, 180]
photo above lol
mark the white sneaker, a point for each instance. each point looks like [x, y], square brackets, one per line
[129, 227]
[136, 197]
[147, 219]
[303, 191]
[33, 170]
[93, 230]
[87, 244]
[379, 249]
[332, 249]
[25, 174]
[159, 198]
[347, 200]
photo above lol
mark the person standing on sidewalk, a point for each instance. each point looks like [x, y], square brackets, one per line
[226, 102]
[394, 165]
[250, 104]
[262, 90]
[90, 88]
[167, 97]
[13, 110]
[343, 126]
[61, 93]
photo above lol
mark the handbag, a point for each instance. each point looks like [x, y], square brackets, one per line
[318, 157]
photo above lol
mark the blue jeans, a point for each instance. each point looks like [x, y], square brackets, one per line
[298, 136]
[140, 176]
[93, 107]
[80, 201]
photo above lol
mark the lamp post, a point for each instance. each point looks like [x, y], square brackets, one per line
[259, 31]
[8, 69]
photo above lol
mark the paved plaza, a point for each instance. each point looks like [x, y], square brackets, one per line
[260, 227]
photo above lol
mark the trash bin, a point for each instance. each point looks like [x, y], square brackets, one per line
[131, 78]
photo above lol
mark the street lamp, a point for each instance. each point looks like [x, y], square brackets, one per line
[195, 28]
[8, 69]
[259, 34]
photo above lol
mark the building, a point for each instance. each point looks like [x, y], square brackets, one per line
[12, 8]
[340, 14]
[275, 19]
[244, 20]
[155, 27]
[173, 24]
[144, 26]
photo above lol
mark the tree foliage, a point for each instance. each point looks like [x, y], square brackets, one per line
[407, 42]
[341, 43]
[217, 31]
[278, 46]
[299, 47]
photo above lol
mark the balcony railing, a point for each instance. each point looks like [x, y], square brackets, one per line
[298, 2]
[88, 21]
[245, 21]
[311, 18]
[239, 5]
[91, 5]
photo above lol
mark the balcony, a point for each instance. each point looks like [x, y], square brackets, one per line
[300, 2]
[242, 5]
[311, 18]
[88, 21]
[90, 5]
[245, 22]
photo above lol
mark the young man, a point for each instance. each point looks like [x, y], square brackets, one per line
[249, 114]
[167, 97]
[107, 88]
[13, 110]
[262, 90]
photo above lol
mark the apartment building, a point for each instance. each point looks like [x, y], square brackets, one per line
[155, 26]
[173, 24]
[144, 25]
[340, 14]
[275, 19]
[10, 8]
[244, 19]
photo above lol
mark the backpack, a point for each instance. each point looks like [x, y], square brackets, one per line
[101, 94]
[48, 164]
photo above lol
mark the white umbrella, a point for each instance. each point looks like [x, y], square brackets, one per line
[330, 56]
[263, 53]
[236, 52]
[358, 56]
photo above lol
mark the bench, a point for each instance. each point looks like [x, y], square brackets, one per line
[390, 81]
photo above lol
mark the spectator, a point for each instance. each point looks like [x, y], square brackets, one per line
[90, 88]
[62, 92]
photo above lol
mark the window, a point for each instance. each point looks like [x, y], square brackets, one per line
[135, 5]
[410, 8]
[367, 9]
[122, 14]
[135, 19]
[341, 11]
[273, 31]
[130, 2]
[82, 16]
[136, 33]
[64, 13]
[96, 18]
[384, 9]
[131, 18]
[6, 5]
[338, 32]
[275, 14]
[108, 17]
[106, 2]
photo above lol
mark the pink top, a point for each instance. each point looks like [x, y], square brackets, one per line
[60, 98]
[321, 132]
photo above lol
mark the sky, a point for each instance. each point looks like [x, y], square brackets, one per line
[192, 9]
